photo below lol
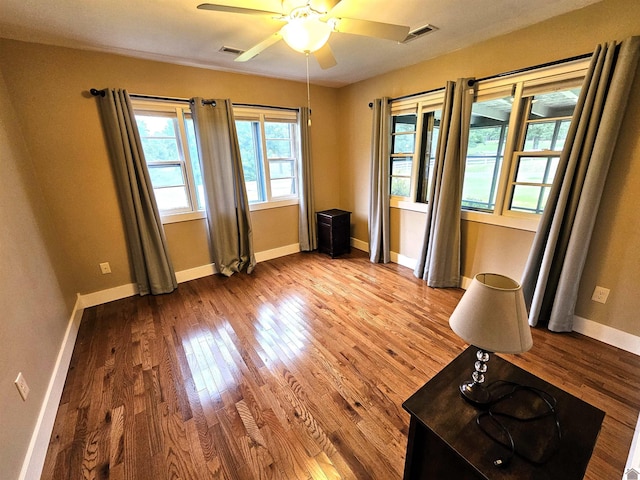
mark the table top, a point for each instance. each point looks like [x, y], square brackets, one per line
[333, 212]
[439, 406]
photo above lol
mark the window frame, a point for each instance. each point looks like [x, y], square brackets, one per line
[525, 85]
[262, 116]
[541, 79]
[180, 111]
[424, 104]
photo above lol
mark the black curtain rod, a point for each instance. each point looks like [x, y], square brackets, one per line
[535, 67]
[256, 105]
[95, 92]
[499, 75]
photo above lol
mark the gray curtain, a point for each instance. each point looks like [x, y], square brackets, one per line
[307, 224]
[148, 251]
[379, 196]
[552, 274]
[230, 234]
[439, 261]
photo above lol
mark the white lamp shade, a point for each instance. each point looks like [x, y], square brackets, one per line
[306, 35]
[492, 315]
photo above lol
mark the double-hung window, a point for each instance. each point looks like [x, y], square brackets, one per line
[269, 145]
[269, 142]
[519, 124]
[543, 133]
[517, 133]
[170, 149]
[415, 126]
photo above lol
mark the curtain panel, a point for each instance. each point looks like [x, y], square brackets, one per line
[439, 260]
[146, 242]
[227, 205]
[307, 229]
[379, 250]
[551, 278]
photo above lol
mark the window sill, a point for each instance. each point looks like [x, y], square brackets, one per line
[518, 223]
[183, 217]
[397, 202]
[201, 214]
[253, 207]
[508, 221]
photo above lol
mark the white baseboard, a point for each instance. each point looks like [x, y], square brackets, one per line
[277, 252]
[359, 244]
[197, 272]
[610, 336]
[403, 260]
[603, 333]
[123, 291]
[109, 295]
[37, 451]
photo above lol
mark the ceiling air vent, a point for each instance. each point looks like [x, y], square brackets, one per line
[419, 32]
[233, 50]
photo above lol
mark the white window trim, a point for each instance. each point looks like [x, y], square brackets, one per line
[278, 115]
[530, 80]
[244, 113]
[140, 106]
[419, 105]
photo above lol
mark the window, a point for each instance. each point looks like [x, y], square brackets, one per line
[519, 124]
[269, 145]
[485, 151]
[414, 138]
[169, 145]
[516, 136]
[403, 143]
[548, 117]
[429, 143]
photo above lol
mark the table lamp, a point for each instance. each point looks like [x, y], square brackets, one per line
[491, 316]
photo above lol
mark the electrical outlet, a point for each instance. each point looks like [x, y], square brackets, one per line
[21, 385]
[600, 294]
[105, 268]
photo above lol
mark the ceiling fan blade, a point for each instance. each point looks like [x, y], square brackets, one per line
[228, 8]
[324, 6]
[372, 29]
[325, 57]
[256, 49]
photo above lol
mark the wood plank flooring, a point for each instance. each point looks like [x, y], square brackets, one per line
[297, 371]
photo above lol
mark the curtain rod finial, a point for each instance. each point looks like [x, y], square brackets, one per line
[95, 92]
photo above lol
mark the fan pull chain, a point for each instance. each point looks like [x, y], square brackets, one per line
[308, 90]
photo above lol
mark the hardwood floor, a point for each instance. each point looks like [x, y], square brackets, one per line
[297, 371]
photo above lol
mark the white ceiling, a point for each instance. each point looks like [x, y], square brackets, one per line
[175, 31]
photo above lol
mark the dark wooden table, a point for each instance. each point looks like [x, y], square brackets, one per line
[445, 442]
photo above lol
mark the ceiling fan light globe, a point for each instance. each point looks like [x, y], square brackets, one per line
[306, 35]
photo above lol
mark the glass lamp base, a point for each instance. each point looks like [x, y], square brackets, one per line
[475, 393]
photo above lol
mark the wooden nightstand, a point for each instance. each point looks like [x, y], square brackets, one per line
[334, 232]
[445, 442]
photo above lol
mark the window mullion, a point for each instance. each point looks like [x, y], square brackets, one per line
[508, 168]
[415, 162]
[184, 151]
[265, 159]
[499, 165]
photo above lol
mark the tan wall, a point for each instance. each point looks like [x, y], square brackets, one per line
[32, 297]
[61, 121]
[614, 257]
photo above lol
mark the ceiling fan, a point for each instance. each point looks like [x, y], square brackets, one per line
[307, 28]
